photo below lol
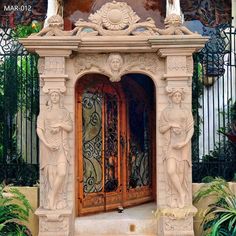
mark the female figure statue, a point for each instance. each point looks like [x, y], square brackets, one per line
[176, 125]
[53, 126]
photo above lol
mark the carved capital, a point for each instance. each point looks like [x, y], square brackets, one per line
[54, 66]
[178, 68]
[53, 82]
[52, 70]
[176, 65]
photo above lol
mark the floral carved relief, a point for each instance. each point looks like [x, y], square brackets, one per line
[57, 225]
[54, 65]
[114, 65]
[180, 225]
[176, 64]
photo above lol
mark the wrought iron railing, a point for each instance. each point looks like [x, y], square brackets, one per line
[214, 106]
[19, 105]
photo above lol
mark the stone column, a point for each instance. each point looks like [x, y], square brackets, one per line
[175, 126]
[54, 126]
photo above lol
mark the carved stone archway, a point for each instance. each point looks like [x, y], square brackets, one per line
[165, 55]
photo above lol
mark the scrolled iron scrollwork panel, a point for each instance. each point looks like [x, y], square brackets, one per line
[92, 142]
[111, 143]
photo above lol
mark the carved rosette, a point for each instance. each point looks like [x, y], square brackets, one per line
[114, 16]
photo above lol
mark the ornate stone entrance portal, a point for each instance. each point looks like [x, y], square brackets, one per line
[115, 119]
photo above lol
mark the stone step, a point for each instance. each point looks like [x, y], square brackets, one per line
[135, 221]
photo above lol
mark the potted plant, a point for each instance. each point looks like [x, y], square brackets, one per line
[220, 217]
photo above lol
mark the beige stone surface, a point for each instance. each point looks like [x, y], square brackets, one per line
[139, 220]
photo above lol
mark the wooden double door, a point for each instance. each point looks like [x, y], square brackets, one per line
[114, 142]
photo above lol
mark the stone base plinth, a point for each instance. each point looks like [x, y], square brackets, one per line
[54, 222]
[176, 221]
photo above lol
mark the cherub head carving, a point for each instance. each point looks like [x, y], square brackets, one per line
[115, 62]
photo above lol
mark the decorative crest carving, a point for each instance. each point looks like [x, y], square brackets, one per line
[115, 18]
[54, 28]
[174, 26]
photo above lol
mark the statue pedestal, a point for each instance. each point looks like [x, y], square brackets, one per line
[176, 221]
[54, 222]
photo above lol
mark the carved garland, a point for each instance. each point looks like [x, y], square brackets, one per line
[115, 65]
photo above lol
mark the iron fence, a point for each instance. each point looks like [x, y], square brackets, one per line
[214, 106]
[19, 106]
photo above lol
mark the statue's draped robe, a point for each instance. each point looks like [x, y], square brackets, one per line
[58, 137]
[174, 136]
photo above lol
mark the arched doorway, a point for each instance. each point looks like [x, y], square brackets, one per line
[115, 142]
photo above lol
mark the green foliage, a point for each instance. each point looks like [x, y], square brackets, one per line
[197, 91]
[207, 179]
[220, 217]
[14, 212]
[23, 31]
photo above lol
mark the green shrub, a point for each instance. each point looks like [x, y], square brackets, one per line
[14, 212]
[220, 217]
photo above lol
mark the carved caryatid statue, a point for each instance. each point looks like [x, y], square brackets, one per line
[176, 125]
[53, 126]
